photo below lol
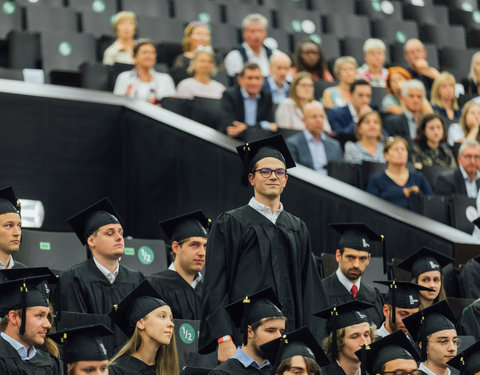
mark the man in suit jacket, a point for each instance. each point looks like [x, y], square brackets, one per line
[247, 110]
[344, 119]
[465, 179]
[311, 147]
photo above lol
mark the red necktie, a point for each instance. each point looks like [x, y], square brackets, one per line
[354, 291]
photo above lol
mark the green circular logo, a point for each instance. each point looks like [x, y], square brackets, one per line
[316, 38]
[204, 17]
[376, 6]
[476, 16]
[467, 7]
[113, 18]
[400, 37]
[98, 6]
[296, 26]
[186, 333]
[65, 49]
[8, 7]
[145, 255]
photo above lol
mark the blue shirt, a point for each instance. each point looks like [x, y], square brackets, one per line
[248, 361]
[250, 106]
[277, 94]
[317, 150]
[21, 350]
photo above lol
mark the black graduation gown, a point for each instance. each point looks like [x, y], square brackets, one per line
[17, 264]
[233, 366]
[185, 301]
[128, 365]
[469, 280]
[469, 323]
[243, 250]
[335, 293]
[11, 363]
[333, 369]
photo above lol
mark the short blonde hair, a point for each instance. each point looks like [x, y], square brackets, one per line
[187, 33]
[443, 77]
[471, 73]
[463, 117]
[343, 60]
[327, 341]
[125, 15]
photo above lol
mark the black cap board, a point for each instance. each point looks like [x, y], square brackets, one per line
[345, 315]
[253, 152]
[252, 308]
[193, 224]
[93, 217]
[468, 361]
[82, 343]
[135, 306]
[402, 294]
[298, 342]
[18, 273]
[9, 202]
[357, 236]
[393, 346]
[425, 260]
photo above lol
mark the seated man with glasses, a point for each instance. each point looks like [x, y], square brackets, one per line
[434, 329]
[256, 246]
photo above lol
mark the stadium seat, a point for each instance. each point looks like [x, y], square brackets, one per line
[299, 21]
[436, 207]
[51, 18]
[167, 51]
[234, 12]
[343, 25]
[456, 61]
[198, 10]
[40, 3]
[391, 31]
[160, 29]
[426, 15]
[468, 5]
[332, 7]
[281, 38]
[284, 4]
[96, 24]
[330, 43]
[178, 105]
[205, 111]
[378, 94]
[432, 173]
[345, 171]
[370, 168]
[152, 8]
[225, 35]
[96, 76]
[23, 50]
[444, 35]
[99, 7]
[377, 10]
[15, 74]
[459, 218]
[10, 18]
[469, 20]
[320, 86]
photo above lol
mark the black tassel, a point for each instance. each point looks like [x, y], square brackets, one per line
[24, 291]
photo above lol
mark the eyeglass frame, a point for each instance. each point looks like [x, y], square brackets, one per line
[402, 372]
[457, 342]
[270, 172]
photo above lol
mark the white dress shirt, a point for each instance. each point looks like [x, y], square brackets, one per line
[111, 276]
[265, 210]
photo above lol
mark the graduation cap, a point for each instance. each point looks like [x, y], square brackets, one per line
[193, 224]
[93, 217]
[345, 315]
[21, 294]
[82, 343]
[273, 147]
[18, 273]
[402, 294]
[356, 236]
[252, 308]
[9, 202]
[468, 361]
[393, 346]
[299, 342]
[425, 260]
[135, 306]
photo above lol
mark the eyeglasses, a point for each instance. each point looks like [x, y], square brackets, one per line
[267, 172]
[402, 372]
[457, 341]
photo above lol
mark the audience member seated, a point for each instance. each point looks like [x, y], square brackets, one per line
[397, 184]
[247, 110]
[443, 98]
[121, 51]
[143, 82]
[313, 148]
[309, 57]
[391, 103]
[465, 179]
[369, 146]
[277, 82]
[415, 55]
[373, 71]
[202, 65]
[289, 114]
[472, 83]
[405, 124]
[468, 126]
[345, 68]
[254, 32]
[195, 34]
[430, 148]
[344, 119]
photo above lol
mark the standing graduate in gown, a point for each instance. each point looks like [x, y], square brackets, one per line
[148, 322]
[256, 246]
[181, 284]
[26, 319]
[353, 256]
[10, 229]
[100, 282]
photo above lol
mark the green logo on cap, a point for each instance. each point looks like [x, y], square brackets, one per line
[129, 251]
[186, 333]
[45, 246]
[145, 255]
[8, 7]
[400, 37]
[98, 6]
[65, 49]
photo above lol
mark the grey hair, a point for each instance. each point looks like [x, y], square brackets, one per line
[254, 18]
[279, 54]
[373, 43]
[412, 84]
[342, 60]
[467, 143]
[198, 51]
[471, 73]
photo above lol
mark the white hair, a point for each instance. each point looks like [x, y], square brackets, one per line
[467, 143]
[412, 84]
[373, 43]
[279, 54]
[254, 18]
